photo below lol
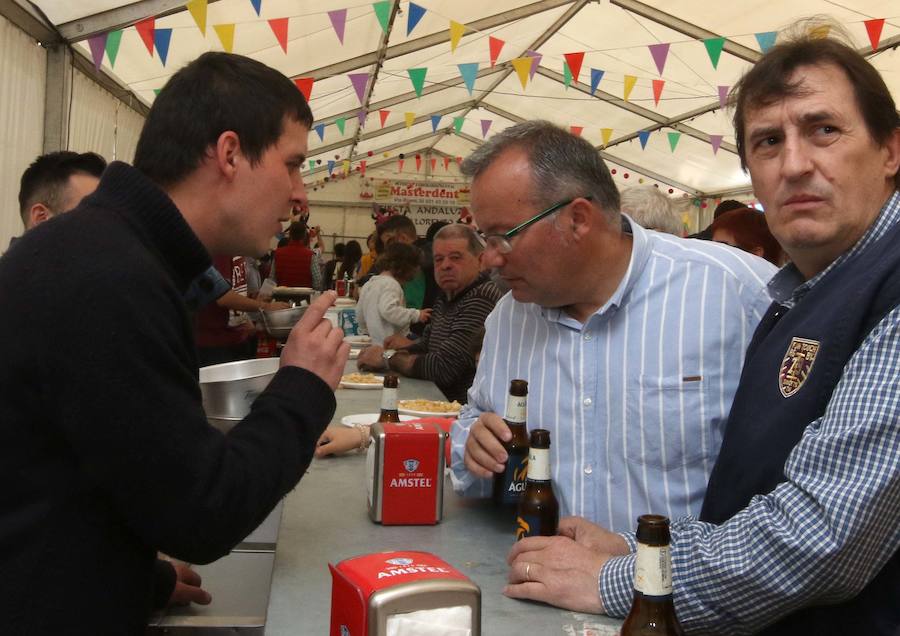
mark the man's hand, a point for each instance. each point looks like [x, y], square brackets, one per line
[485, 454]
[397, 341]
[555, 570]
[316, 345]
[370, 359]
[275, 305]
[187, 587]
[592, 536]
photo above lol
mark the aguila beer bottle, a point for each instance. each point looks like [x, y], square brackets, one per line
[652, 611]
[389, 399]
[538, 512]
[510, 484]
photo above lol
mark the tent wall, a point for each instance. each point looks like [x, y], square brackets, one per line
[101, 123]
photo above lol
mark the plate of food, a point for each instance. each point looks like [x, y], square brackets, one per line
[362, 381]
[429, 408]
[368, 418]
[357, 342]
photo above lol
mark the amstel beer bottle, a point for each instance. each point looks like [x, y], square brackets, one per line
[652, 611]
[389, 399]
[538, 512]
[510, 484]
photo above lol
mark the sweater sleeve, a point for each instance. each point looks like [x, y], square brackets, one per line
[391, 308]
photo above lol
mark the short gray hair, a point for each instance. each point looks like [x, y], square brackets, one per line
[651, 209]
[562, 164]
[461, 231]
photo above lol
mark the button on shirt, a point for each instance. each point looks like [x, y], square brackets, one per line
[636, 398]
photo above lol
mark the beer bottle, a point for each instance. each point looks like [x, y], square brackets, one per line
[652, 611]
[389, 399]
[538, 513]
[509, 485]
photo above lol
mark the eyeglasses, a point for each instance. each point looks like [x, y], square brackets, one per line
[500, 242]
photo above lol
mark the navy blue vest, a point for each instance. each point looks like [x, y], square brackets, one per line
[783, 389]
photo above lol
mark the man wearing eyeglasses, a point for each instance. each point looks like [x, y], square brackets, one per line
[631, 340]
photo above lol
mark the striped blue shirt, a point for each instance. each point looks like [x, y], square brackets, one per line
[636, 398]
[825, 532]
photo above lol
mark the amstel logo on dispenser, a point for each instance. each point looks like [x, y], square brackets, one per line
[405, 469]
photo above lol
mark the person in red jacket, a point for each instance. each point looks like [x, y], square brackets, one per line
[296, 265]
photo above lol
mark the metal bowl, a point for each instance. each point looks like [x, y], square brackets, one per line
[279, 322]
[229, 389]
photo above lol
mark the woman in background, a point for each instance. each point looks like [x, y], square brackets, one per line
[746, 229]
[369, 259]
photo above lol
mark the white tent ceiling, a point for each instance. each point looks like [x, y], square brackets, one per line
[614, 35]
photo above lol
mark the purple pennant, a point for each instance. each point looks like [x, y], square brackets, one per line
[361, 116]
[659, 52]
[338, 21]
[485, 126]
[716, 141]
[359, 81]
[535, 62]
[723, 95]
[98, 46]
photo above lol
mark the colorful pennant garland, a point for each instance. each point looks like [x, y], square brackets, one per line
[412, 18]
[457, 30]
[659, 52]
[495, 45]
[197, 9]
[383, 13]
[338, 19]
[280, 29]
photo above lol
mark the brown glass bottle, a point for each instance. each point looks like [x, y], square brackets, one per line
[652, 611]
[538, 512]
[389, 399]
[510, 484]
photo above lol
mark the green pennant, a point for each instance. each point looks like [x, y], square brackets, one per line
[383, 12]
[113, 38]
[417, 77]
[340, 122]
[312, 164]
[567, 74]
[714, 49]
[156, 91]
[458, 124]
[674, 138]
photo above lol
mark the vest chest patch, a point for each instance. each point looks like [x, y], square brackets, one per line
[796, 365]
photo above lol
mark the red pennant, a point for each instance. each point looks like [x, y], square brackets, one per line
[280, 29]
[146, 28]
[576, 130]
[446, 163]
[657, 89]
[496, 45]
[458, 161]
[418, 163]
[433, 164]
[399, 165]
[383, 114]
[362, 167]
[305, 84]
[574, 61]
[873, 28]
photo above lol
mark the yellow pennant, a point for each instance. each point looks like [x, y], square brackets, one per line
[523, 69]
[410, 119]
[226, 35]
[457, 30]
[629, 84]
[346, 166]
[606, 133]
[820, 32]
[198, 10]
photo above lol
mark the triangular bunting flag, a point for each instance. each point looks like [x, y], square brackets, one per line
[714, 48]
[485, 126]
[457, 30]
[383, 115]
[399, 165]
[145, 29]
[574, 61]
[320, 131]
[522, 66]
[596, 76]
[469, 72]
[330, 167]
[312, 164]
[446, 163]
[156, 91]
[496, 45]
[723, 96]
[415, 14]
[338, 19]
[716, 141]
[417, 77]
[435, 120]
[458, 124]
[226, 36]
[383, 13]
[657, 90]
[97, 44]
[257, 5]
[535, 62]
[359, 81]
[567, 75]
[304, 85]
[433, 164]
[766, 40]
[410, 119]
[198, 12]
[418, 162]
[341, 123]
[643, 135]
[659, 52]
[674, 137]
[576, 130]
[873, 28]
[606, 134]
[458, 160]
[112, 46]
[346, 166]
[280, 29]
[362, 167]
[630, 81]
[361, 118]
[161, 40]
[820, 32]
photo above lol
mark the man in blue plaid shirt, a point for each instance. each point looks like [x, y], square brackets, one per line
[800, 528]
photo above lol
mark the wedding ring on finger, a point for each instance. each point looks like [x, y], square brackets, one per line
[528, 572]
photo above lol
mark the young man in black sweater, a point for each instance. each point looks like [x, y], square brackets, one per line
[105, 453]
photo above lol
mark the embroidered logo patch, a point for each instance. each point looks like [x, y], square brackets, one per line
[797, 364]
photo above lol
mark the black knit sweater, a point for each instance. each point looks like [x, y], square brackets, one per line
[105, 453]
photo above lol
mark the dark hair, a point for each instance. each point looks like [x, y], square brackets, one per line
[216, 93]
[352, 256]
[400, 259]
[400, 224]
[45, 180]
[339, 251]
[750, 232]
[298, 231]
[433, 229]
[726, 206]
[768, 82]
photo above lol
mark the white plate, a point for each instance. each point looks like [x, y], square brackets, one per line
[364, 385]
[358, 341]
[428, 413]
[354, 353]
[368, 418]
